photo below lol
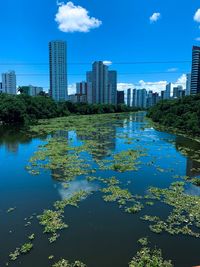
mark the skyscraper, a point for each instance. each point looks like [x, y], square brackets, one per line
[142, 98]
[58, 70]
[178, 91]
[188, 84]
[102, 84]
[168, 90]
[134, 101]
[1, 91]
[9, 83]
[89, 87]
[112, 87]
[195, 75]
[120, 97]
[150, 99]
[129, 97]
[81, 88]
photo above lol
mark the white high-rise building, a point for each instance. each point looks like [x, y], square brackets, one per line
[58, 70]
[9, 85]
[142, 98]
[168, 91]
[129, 97]
[101, 84]
[112, 87]
[188, 84]
[134, 101]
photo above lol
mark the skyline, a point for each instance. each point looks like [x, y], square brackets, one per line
[152, 33]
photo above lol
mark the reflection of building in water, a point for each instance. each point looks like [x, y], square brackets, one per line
[104, 139]
[61, 133]
[130, 123]
[59, 173]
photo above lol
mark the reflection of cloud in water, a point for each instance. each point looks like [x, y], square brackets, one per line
[192, 190]
[74, 187]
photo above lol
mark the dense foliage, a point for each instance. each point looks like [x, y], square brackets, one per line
[182, 114]
[24, 109]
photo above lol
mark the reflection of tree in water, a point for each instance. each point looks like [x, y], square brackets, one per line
[12, 137]
[192, 147]
[193, 168]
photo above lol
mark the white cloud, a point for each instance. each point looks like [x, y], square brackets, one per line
[71, 89]
[198, 39]
[156, 86]
[107, 62]
[155, 17]
[71, 18]
[197, 15]
[172, 70]
[182, 80]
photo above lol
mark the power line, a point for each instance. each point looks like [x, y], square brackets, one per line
[90, 63]
[83, 74]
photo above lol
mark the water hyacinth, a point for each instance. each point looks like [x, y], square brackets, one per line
[185, 216]
[66, 263]
[52, 222]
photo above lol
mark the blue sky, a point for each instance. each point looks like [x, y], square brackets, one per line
[117, 31]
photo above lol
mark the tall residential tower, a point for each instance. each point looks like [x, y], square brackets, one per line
[195, 75]
[102, 84]
[58, 70]
[9, 83]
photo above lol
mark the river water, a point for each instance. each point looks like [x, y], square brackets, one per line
[100, 234]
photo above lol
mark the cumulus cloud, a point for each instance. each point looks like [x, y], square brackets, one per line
[197, 15]
[156, 86]
[71, 18]
[182, 80]
[72, 89]
[107, 62]
[155, 17]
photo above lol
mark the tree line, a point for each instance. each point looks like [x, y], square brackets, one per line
[182, 114]
[24, 109]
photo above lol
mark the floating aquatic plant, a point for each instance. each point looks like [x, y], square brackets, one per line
[26, 248]
[66, 263]
[52, 222]
[149, 258]
[14, 255]
[185, 215]
[11, 210]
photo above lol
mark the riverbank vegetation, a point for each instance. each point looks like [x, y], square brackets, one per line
[181, 114]
[23, 109]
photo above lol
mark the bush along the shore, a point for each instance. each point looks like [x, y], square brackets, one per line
[180, 114]
[24, 109]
